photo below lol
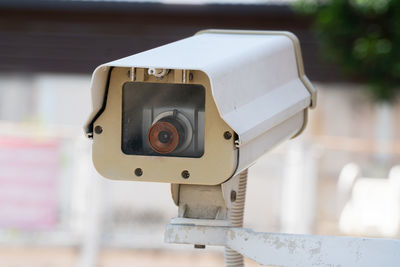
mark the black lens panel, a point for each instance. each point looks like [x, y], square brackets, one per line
[143, 104]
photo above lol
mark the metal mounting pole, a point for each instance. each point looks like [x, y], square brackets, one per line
[290, 250]
[204, 220]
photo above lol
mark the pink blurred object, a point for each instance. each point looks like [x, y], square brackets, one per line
[29, 170]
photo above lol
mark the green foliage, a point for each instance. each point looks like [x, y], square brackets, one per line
[363, 37]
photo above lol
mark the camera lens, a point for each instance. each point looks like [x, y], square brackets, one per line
[166, 135]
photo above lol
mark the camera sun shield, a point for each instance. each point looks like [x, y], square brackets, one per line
[255, 95]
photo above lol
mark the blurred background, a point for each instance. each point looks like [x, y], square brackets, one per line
[339, 178]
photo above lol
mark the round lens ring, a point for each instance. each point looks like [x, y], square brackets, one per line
[163, 137]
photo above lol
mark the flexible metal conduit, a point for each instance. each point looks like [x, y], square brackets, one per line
[232, 258]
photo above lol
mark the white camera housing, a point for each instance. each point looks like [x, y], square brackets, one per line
[256, 96]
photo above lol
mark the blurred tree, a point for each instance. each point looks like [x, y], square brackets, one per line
[362, 37]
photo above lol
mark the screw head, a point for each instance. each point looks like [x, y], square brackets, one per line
[138, 172]
[227, 135]
[98, 129]
[233, 196]
[185, 174]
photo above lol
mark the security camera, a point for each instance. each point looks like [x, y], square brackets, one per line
[199, 110]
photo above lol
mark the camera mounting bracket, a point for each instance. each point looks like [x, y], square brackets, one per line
[195, 225]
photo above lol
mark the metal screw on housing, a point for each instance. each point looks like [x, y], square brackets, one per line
[185, 174]
[227, 135]
[138, 172]
[98, 129]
